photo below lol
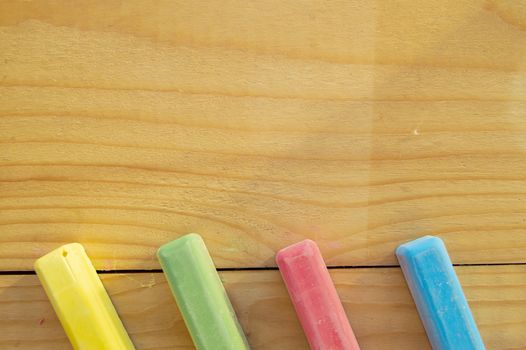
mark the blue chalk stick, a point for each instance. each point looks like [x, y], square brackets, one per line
[438, 295]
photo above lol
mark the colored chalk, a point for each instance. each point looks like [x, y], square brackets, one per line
[314, 297]
[438, 295]
[80, 300]
[200, 295]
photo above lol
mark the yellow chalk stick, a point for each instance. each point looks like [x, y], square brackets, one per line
[80, 300]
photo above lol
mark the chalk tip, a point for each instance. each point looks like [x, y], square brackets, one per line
[418, 245]
[167, 249]
[63, 250]
[306, 247]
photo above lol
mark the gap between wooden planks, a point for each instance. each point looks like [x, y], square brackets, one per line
[377, 301]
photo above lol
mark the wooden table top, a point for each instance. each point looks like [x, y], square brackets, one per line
[360, 125]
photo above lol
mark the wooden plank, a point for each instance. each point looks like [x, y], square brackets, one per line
[377, 301]
[474, 33]
[360, 125]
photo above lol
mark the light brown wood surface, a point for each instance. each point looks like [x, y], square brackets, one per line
[359, 124]
[376, 300]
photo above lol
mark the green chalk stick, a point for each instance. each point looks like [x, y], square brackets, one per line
[200, 295]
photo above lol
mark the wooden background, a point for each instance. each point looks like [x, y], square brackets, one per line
[359, 124]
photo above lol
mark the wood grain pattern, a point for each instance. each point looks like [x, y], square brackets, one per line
[377, 301]
[362, 125]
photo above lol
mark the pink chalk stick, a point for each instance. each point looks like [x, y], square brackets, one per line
[315, 299]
